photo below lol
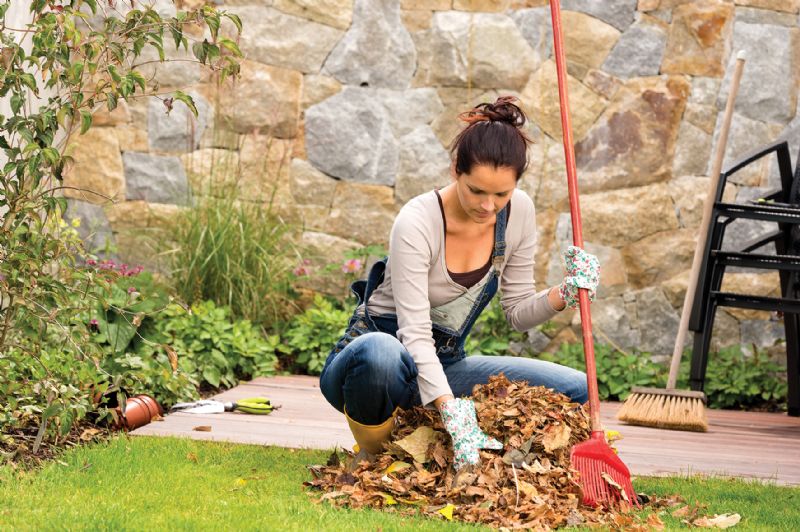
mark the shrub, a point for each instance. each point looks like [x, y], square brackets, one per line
[312, 334]
[733, 380]
[51, 370]
[209, 345]
[238, 254]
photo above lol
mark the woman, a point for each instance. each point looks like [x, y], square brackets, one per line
[449, 252]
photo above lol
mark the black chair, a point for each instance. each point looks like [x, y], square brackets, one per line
[781, 208]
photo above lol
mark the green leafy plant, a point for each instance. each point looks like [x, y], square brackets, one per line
[734, 380]
[617, 372]
[491, 334]
[209, 344]
[68, 62]
[312, 334]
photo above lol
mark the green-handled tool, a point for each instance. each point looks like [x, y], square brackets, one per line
[252, 405]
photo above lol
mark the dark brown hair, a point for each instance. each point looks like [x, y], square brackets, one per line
[493, 136]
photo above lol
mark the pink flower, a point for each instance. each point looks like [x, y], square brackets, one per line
[351, 266]
[91, 262]
[131, 289]
[93, 323]
[304, 268]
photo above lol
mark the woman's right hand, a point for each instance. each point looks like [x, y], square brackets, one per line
[461, 422]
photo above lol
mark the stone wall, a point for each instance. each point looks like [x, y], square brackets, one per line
[345, 108]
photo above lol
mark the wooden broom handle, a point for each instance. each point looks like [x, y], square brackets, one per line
[713, 183]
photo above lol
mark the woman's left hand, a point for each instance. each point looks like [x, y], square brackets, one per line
[583, 271]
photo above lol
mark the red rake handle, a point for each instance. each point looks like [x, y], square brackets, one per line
[575, 211]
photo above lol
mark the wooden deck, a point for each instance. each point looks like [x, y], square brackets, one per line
[740, 444]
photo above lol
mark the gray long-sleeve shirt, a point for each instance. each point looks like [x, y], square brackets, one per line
[416, 280]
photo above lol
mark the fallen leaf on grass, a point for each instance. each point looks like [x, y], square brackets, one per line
[203, 428]
[718, 521]
[157, 417]
[447, 512]
[655, 521]
[191, 457]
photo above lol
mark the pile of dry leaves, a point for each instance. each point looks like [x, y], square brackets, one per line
[529, 484]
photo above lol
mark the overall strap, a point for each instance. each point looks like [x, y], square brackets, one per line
[374, 279]
[499, 251]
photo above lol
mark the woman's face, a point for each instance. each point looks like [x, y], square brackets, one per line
[485, 191]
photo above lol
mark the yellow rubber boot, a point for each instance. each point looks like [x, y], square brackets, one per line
[370, 438]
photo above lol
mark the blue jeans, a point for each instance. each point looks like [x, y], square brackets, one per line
[374, 374]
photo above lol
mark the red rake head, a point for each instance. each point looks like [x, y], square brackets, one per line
[605, 479]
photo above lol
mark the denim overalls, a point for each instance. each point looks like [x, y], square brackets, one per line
[451, 323]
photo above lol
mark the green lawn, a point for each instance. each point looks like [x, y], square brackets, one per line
[161, 483]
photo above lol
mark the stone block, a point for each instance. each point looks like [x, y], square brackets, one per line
[416, 19]
[456, 100]
[699, 39]
[639, 51]
[540, 100]
[282, 40]
[104, 117]
[620, 217]
[265, 98]
[656, 321]
[176, 130]
[618, 13]
[658, 257]
[336, 13]
[97, 175]
[423, 164]
[746, 135]
[633, 142]
[209, 170]
[536, 27]
[484, 6]
[692, 150]
[310, 186]
[481, 50]
[349, 136]
[612, 321]
[317, 88]
[377, 50]
[131, 138]
[155, 179]
[768, 90]
[587, 40]
[788, 6]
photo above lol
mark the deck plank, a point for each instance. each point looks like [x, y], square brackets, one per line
[743, 444]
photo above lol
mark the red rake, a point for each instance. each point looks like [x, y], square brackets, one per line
[603, 476]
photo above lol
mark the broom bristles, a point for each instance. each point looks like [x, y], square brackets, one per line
[665, 410]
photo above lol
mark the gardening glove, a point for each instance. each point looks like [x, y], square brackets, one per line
[583, 271]
[461, 422]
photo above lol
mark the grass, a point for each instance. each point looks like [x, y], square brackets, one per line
[178, 484]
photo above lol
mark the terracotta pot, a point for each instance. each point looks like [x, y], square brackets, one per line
[139, 411]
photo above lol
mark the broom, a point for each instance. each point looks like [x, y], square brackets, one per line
[670, 408]
[604, 478]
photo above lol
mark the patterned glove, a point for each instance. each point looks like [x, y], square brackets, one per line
[461, 422]
[583, 271]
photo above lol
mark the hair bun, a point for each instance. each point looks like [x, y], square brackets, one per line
[502, 110]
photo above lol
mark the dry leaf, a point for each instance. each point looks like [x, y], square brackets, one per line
[397, 466]
[556, 437]
[447, 512]
[416, 444]
[718, 521]
[683, 511]
[89, 433]
[545, 494]
[192, 457]
[613, 483]
[172, 356]
[203, 428]
[655, 521]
